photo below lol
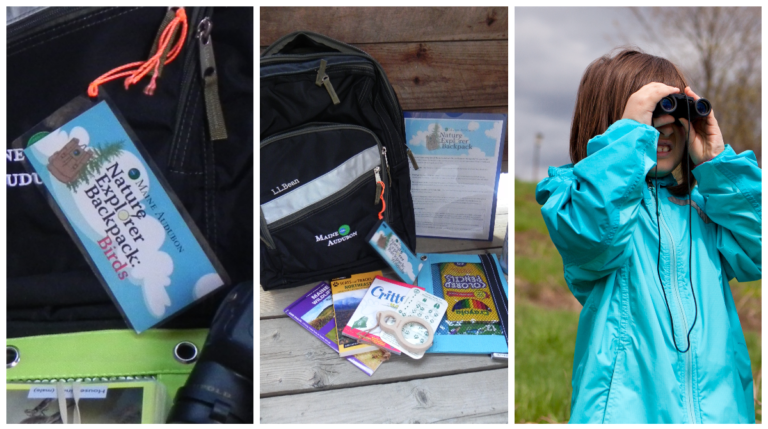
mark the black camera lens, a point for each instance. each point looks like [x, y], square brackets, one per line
[702, 107]
[667, 104]
[220, 387]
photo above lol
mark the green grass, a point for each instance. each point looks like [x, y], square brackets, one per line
[538, 265]
[527, 210]
[544, 343]
[754, 346]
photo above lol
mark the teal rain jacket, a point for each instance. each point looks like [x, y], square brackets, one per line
[601, 216]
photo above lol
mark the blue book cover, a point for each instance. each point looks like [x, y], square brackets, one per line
[459, 158]
[477, 317]
[145, 248]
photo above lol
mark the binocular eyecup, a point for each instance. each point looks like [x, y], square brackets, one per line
[683, 106]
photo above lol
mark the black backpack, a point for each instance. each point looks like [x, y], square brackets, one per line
[332, 131]
[52, 56]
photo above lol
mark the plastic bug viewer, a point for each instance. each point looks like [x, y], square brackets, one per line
[649, 256]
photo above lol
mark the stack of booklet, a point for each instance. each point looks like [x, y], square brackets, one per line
[325, 310]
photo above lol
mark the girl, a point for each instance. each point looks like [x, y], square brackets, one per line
[659, 339]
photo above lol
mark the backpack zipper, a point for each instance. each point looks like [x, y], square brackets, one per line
[264, 234]
[390, 93]
[331, 200]
[314, 127]
[187, 81]
[400, 124]
[377, 197]
[386, 161]
[208, 72]
[412, 157]
[318, 127]
[323, 80]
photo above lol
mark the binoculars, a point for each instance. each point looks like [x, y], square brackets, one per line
[682, 106]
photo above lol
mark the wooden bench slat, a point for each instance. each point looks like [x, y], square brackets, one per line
[467, 398]
[272, 303]
[386, 24]
[295, 361]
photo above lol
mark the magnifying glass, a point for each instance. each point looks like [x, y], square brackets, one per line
[414, 334]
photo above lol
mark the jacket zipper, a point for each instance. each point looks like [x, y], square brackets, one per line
[675, 289]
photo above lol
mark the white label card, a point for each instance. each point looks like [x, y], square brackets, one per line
[49, 392]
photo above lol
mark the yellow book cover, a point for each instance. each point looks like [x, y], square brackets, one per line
[347, 293]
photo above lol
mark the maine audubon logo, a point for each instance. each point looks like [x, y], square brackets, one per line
[343, 232]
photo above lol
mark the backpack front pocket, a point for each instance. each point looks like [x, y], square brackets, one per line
[321, 193]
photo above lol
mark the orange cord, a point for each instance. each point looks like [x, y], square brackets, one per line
[153, 63]
[383, 204]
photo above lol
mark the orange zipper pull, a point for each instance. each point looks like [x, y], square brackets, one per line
[161, 55]
[380, 185]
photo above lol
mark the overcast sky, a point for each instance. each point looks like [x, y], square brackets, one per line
[553, 47]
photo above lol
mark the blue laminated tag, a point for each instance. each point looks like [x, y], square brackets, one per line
[395, 252]
[137, 237]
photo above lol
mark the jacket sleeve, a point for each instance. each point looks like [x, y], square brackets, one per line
[731, 187]
[592, 212]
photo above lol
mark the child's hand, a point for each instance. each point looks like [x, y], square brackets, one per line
[641, 104]
[706, 140]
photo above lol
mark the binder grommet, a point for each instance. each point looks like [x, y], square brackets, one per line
[12, 356]
[185, 352]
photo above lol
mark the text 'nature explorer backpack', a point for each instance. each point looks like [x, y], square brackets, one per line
[53, 54]
[332, 133]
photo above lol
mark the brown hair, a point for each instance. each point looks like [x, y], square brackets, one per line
[603, 93]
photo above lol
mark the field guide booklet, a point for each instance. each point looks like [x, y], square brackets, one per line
[383, 295]
[459, 158]
[130, 226]
[314, 312]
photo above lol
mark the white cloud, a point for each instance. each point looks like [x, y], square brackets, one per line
[495, 132]
[419, 139]
[207, 284]
[473, 126]
[153, 274]
[475, 152]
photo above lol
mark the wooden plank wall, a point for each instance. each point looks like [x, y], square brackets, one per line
[438, 59]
